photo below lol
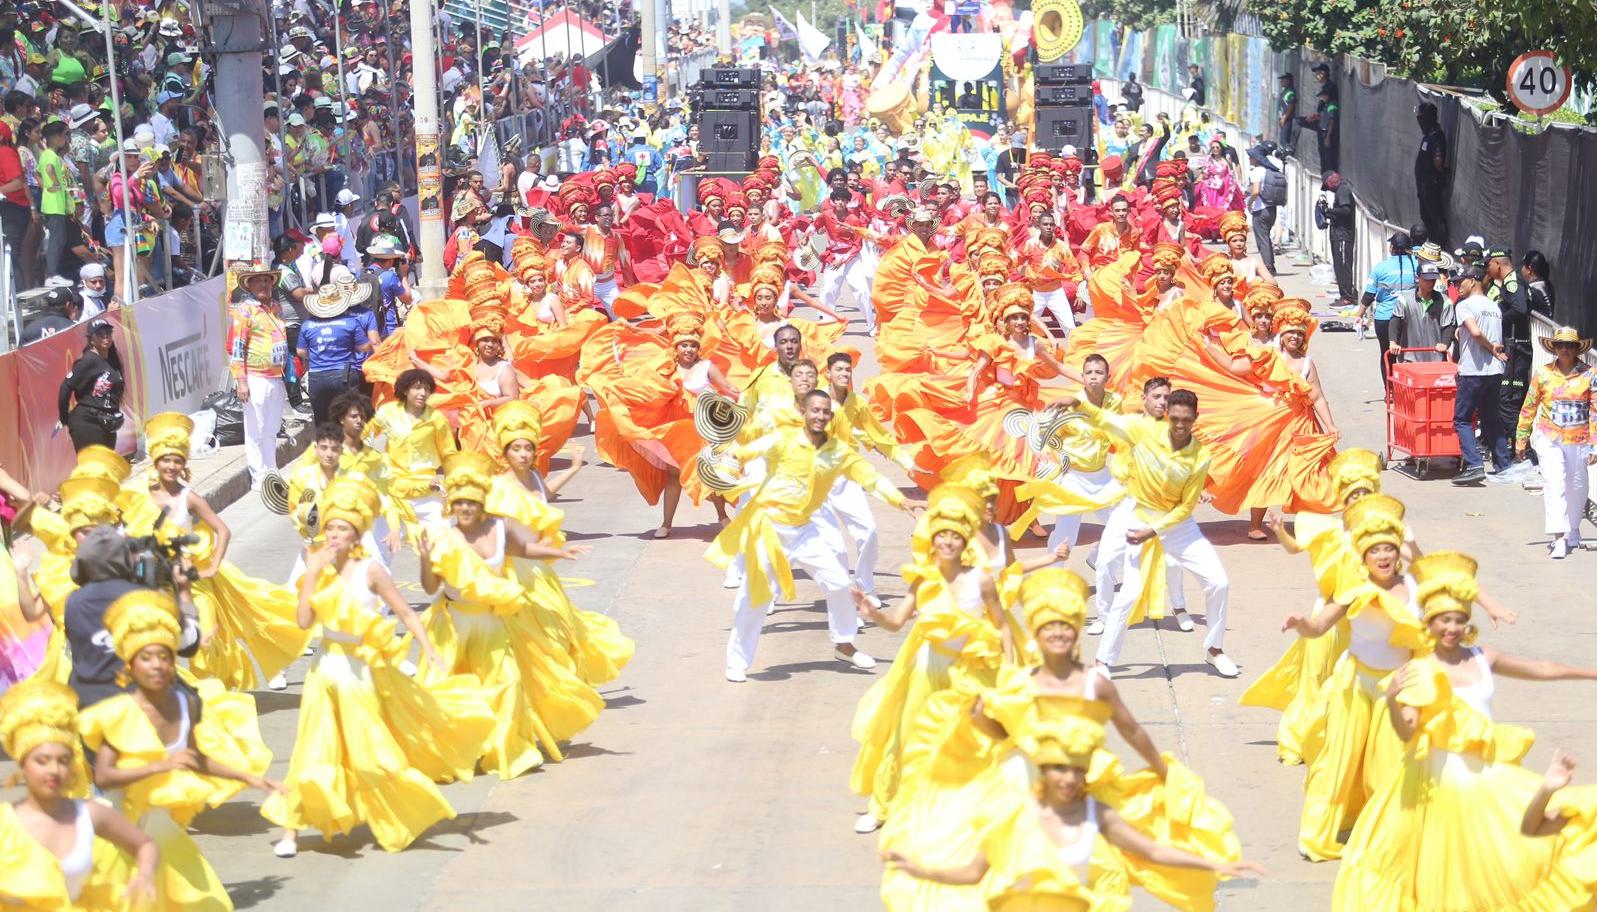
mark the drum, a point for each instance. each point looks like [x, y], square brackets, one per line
[893, 105]
[1056, 27]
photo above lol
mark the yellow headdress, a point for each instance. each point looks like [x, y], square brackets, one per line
[973, 472]
[143, 617]
[1446, 583]
[993, 264]
[1263, 296]
[38, 711]
[517, 420]
[467, 476]
[706, 248]
[1053, 594]
[1291, 318]
[95, 461]
[1216, 269]
[1067, 741]
[1012, 299]
[167, 434]
[953, 508]
[1355, 470]
[767, 275]
[1375, 520]
[684, 327]
[88, 500]
[352, 498]
[487, 319]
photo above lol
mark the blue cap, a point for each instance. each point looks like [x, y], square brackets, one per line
[165, 97]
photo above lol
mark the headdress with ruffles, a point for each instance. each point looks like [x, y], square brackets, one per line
[96, 461]
[517, 420]
[1290, 317]
[1216, 269]
[1167, 255]
[1446, 582]
[707, 248]
[1053, 594]
[35, 712]
[684, 327]
[467, 476]
[1375, 520]
[167, 434]
[143, 618]
[1355, 469]
[88, 500]
[353, 499]
[1066, 741]
[1233, 222]
[1011, 299]
[1262, 296]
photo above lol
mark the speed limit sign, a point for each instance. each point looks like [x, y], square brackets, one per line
[1537, 83]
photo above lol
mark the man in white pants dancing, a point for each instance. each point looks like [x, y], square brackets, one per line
[847, 506]
[1164, 474]
[778, 527]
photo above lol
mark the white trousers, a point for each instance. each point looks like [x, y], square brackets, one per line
[263, 417]
[1185, 545]
[606, 290]
[856, 275]
[1056, 302]
[1112, 549]
[1564, 485]
[1092, 485]
[849, 507]
[815, 547]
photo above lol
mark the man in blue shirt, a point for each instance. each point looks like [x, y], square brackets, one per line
[1390, 286]
[391, 266]
[335, 339]
[647, 159]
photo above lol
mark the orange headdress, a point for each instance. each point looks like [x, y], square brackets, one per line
[707, 248]
[1292, 316]
[1167, 255]
[1165, 190]
[767, 275]
[1011, 299]
[626, 175]
[712, 189]
[1261, 297]
[529, 257]
[993, 263]
[1169, 168]
[1217, 269]
[1233, 223]
[684, 327]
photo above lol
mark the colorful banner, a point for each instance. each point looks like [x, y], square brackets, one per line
[968, 77]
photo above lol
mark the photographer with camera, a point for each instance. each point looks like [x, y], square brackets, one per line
[108, 566]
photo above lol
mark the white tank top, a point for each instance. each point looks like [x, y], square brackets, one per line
[78, 863]
[177, 512]
[967, 593]
[1370, 642]
[182, 739]
[1078, 855]
[490, 385]
[695, 379]
[999, 559]
[1479, 694]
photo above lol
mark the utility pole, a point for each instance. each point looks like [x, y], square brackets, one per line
[723, 27]
[235, 27]
[648, 52]
[429, 153]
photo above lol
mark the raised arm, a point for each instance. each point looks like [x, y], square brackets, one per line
[1317, 626]
[1535, 669]
[1537, 820]
[1128, 838]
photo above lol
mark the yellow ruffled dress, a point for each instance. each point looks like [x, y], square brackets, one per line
[951, 631]
[251, 626]
[1292, 685]
[1442, 834]
[163, 805]
[1358, 748]
[593, 640]
[31, 879]
[53, 581]
[485, 623]
[371, 740]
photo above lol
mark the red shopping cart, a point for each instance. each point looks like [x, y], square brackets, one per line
[1419, 410]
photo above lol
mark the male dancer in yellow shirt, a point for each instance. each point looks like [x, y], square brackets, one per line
[1165, 470]
[859, 427]
[778, 526]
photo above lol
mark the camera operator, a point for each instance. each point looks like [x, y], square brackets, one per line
[105, 570]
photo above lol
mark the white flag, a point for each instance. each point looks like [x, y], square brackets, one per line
[868, 54]
[812, 42]
[784, 27]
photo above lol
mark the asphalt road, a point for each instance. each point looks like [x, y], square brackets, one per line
[692, 793]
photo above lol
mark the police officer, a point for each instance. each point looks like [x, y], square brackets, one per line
[1507, 290]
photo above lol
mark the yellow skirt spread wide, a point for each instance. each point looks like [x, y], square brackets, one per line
[594, 641]
[887, 712]
[348, 767]
[253, 628]
[528, 680]
[1443, 835]
[1292, 687]
[1359, 751]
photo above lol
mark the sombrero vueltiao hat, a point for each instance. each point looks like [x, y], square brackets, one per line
[1565, 334]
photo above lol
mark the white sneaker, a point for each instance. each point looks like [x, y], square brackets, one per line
[1184, 621]
[285, 848]
[737, 675]
[732, 580]
[1560, 549]
[858, 659]
[1223, 665]
[1095, 627]
[278, 682]
[407, 668]
[867, 823]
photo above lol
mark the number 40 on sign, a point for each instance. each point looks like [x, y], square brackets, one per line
[1537, 83]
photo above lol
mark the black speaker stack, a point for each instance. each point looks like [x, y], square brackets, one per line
[1064, 107]
[726, 106]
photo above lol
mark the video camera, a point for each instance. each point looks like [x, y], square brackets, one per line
[156, 558]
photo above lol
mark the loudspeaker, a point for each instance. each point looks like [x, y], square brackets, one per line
[730, 140]
[1063, 95]
[1062, 74]
[1060, 126]
[719, 99]
[730, 77]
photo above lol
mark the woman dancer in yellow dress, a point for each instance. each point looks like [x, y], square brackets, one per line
[484, 623]
[371, 741]
[1443, 832]
[59, 850]
[415, 438]
[161, 754]
[247, 630]
[592, 640]
[1051, 849]
[1358, 751]
[959, 623]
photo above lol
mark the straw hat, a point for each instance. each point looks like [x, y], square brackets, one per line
[1566, 334]
[338, 295]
